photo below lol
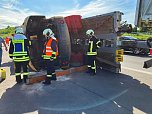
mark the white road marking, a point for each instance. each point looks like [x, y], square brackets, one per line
[92, 105]
[139, 71]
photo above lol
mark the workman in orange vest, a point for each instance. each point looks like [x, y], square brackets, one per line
[50, 54]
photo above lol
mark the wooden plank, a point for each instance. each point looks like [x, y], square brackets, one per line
[41, 76]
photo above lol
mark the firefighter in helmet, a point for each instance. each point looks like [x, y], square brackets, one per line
[50, 54]
[94, 44]
[18, 51]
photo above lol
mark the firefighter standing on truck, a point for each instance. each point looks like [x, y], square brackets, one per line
[18, 51]
[94, 44]
[50, 54]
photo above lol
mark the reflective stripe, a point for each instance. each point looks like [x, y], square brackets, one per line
[30, 43]
[17, 74]
[25, 52]
[53, 73]
[98, 46]
[49, 75]
[54, 53]
[95, 65]
[10, 54]
[91, 53]
[21, 60]
[19, 54]
[89, 65]
[25, 73]
[17, 41]
[46, 57]
[48, 47]
[98, 42]
[53, 57]
[49, 51]
[91, 46]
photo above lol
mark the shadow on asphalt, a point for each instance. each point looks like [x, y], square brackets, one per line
[10, 64]
[106, 93]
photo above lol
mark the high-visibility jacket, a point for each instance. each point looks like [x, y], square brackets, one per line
[18, 49]
[51, 49]
[94, 44]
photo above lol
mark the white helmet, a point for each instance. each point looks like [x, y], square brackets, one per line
[90, 32]
[19, 30]
[48, 32]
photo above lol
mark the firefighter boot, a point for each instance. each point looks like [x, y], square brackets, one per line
[47, 81]
[53, 77]
[18, 79]
[88, 71]
[93, 72]
[25, 79]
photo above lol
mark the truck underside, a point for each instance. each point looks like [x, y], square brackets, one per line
[72, 39]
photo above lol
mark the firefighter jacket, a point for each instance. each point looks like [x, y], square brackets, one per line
[19, 48]
[94, 44]
[51, 49]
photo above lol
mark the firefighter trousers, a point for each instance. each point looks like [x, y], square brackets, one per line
[18, 67]
[50, 69]
[92, 64]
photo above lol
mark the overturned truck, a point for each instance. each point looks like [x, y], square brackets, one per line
[72, 40]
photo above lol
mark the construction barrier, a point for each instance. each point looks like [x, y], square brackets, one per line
[119, 55]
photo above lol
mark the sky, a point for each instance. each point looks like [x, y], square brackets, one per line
[13, 12]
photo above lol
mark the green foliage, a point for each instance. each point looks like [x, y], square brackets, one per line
[7, 31]
[141, 36]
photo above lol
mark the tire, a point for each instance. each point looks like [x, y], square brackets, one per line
[136, 51]
[146, 51]
[36, 49]
[63, 41]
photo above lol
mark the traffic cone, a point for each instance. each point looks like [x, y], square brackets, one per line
[148, 64]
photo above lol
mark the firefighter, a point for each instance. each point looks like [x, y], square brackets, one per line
[50, 54]
[18, 51]
[94, 44]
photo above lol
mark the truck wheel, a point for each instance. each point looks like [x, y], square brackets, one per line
[146, 51]
[136, 51]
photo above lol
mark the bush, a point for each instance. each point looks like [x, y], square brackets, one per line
[7, 31]
[141, 36]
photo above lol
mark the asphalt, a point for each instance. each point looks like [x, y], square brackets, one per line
[106, 93]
